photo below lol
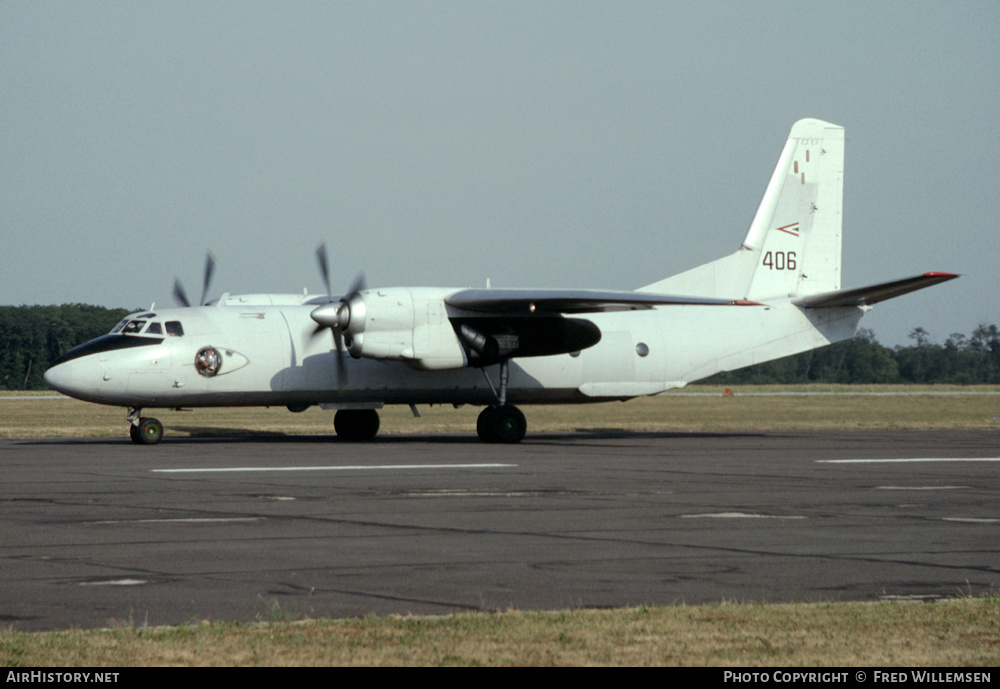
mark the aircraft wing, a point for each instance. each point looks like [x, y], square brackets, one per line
[866, 296]
[514, 301]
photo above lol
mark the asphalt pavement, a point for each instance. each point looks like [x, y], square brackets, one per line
[103, 532]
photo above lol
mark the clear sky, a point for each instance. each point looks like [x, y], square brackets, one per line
[538, 144]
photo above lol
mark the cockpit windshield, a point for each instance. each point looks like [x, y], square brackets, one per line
[137, 324]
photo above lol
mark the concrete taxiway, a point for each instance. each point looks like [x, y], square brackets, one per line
[103, 532]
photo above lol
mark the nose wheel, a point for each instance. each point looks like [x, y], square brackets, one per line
[144, 431]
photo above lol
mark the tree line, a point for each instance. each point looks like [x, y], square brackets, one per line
[961, 360]
[31, 337]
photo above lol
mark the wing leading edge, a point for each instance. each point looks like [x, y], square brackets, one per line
[515, 301]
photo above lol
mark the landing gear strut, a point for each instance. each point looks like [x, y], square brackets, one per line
[501, 422]
[143, 431]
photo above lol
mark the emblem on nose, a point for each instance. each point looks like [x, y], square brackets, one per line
[208, 361]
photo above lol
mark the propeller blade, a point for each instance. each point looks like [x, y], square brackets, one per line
[179, 293]
[338, 344]
[357, 286]
[324, 268]
[209, 269]
[338, 338]
[181, 296]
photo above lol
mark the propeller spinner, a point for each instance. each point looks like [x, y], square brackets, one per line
[337, 315]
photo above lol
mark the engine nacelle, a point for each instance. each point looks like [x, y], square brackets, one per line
[412, 325]
[403, 324]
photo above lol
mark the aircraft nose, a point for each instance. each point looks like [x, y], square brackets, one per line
[69, 378]
[56, 377]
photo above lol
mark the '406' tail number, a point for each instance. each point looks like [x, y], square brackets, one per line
[780, 260]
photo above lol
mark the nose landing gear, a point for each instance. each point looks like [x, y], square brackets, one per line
[143, 431]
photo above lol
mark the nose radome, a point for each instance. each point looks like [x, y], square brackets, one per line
[55, 377]
[71, 378]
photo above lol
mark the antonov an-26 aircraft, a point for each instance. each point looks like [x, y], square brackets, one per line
[778, 294]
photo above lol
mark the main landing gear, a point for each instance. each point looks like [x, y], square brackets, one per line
[356, 425]
[501, 422]
[143, 431]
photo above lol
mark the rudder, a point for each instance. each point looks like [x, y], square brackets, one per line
[793, 247]
[796, 232]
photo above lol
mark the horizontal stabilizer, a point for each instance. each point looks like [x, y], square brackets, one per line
[866, 296]
[513, 301]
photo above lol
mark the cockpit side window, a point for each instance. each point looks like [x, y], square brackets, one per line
[174, 328]
[133, 327]
[154, 329]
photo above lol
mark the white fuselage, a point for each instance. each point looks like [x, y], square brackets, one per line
[273, 355]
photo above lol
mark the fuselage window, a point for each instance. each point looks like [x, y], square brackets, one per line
[174, 328]
[154, 329]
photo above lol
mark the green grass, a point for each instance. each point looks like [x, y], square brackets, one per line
[963, 632]
[694, 409]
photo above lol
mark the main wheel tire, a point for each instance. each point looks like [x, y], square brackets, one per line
[148, 432]
[504, 424]
[512, 425]
[485, 424]
[356, 425]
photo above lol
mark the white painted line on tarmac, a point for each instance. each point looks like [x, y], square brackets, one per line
[360, 467]
[912, 460]
[920, 487]
[736, 515]
[183, 520]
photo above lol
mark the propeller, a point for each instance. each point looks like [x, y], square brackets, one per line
[181, 296]
[335, 315]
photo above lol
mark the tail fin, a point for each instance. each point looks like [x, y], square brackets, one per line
[794, 244]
